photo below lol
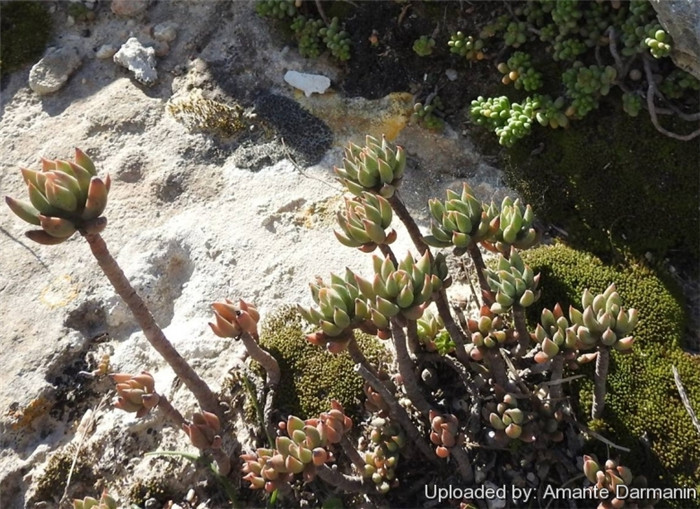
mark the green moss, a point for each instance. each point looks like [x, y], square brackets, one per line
[642, 405]
[143, 490]
[311, 376]
[612, 181]
[25, 29]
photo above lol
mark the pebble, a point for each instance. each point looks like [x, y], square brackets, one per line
[105, 51]
[52, 72]
[451, 74]
[129, 8]
[166, 31]
[308, 83]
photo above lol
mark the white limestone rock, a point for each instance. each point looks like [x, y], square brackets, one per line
[139, 59]
[307, 83]
[52, 72]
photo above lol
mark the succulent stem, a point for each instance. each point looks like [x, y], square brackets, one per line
[601, 375]
[557, 375]
[266, 360]
[475, 254]
[521, 331]
[464, 464]
[222, 461]
[169, 410]
[386, 251]
[497, 367]
[413, 390]
[352, 453]
[406, 218]
[412, 337]
[398, 413]
[153, 333]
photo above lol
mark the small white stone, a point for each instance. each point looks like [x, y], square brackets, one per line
[307, 83]
[70, 21]
[451, 74]
[105, 51]
[52, 72]
[139, 59]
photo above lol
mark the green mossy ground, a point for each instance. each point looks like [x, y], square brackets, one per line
[25, 29]
[643, 410]
[312, 377]
[614, 184]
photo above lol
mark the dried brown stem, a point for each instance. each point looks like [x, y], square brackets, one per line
[351, 451]
[464, 464]
[346, 483]
[478, 259]
[387, 252]
[521, 330]
[557, 375]
[170, 411]
[455, 331]
[150, 328]
[496, 366]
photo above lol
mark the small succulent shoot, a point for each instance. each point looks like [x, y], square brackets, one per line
[405, 290]
[135, 393]
[608, 477]
[204, 430]
[604, 321]
[299, 452]
[514, 284]
[377, 167]
[364, 221]
[232, 319]
[386, 440]
[460, 221]
[514, 227]
[428, 326]
[105, 502]
[64, 197]
[444, 432]
[555, 335]
[489, 331]
[507, 421]
[341, 308]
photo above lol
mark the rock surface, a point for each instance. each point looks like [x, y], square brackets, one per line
[51, 73]
[188, 224]
[129, 8]
[139, 59]
[681, 19]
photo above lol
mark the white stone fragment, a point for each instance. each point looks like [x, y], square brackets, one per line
[52, 72]
[307, 83]
[139, 59]
[451, 74]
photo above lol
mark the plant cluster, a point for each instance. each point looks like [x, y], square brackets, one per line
[494, 383]
[423, 46]
[596, 46]
[429, 114]
[312, 34]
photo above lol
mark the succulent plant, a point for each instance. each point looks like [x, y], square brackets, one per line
[467, 46]
[507, 420]
[428, 115]
[423, 46]
[341, 308]
[429, 326]
[404, 290]
[204, 430]
[444, 432]
[278, 9]
[306, 31]
[658, 42]
[514, 227]
[65, 197]
[364, 221]
[232, 319]
[136, 393]
[299, 452]
[518, 70]
[489, 331]
[461, 221]
[604, 321]
[105, 502]
[555, 335]
[514, 284]
[616, 480]
[376, 167]
[336, 39]
[386, 440]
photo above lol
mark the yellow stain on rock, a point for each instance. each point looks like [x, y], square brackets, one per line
[59, 292]
[354, 117]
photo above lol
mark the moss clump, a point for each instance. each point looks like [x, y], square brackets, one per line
[312, 377]
[613, 181]
[142, 490]
[25, 29]
[642, 405]
[52, 482]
